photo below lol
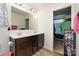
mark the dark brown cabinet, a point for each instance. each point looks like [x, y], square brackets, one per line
[27, 46]
[40, 41]
[35, 44]
[21, 46]
[24, 46]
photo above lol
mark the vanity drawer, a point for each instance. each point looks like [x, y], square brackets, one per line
[23, 40]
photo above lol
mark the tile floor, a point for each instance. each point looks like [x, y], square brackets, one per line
[59, 45]
[44, 52]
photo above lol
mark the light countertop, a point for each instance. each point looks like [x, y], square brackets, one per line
[23, 33]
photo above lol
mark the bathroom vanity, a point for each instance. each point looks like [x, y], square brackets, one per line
[26, 45]
[24, 38]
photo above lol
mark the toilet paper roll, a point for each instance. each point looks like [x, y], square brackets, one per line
[10, 43]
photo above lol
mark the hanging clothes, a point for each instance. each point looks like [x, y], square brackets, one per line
[57, 28]
[3, 14]
[65, 25]
[76, 23]
[57, 24]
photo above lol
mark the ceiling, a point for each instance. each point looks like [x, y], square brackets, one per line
[38, 6]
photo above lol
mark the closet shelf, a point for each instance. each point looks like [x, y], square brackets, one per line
[67, 17]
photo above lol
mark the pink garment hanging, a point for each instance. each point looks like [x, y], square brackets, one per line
[76, 24]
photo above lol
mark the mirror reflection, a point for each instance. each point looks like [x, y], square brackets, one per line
[19, 20]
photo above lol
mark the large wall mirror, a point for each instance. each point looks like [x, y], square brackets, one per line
[19, 19]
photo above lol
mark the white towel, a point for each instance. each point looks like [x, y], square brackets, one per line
[3, 14]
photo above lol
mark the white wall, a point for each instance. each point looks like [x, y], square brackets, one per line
[45, 23]
[33, 22]
[4, 39]
[4, 35]
[9, 15]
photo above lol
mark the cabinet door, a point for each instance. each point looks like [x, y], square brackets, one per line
[34, 44]
[24, 46]
[40, 41]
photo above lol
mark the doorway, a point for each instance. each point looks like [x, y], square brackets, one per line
[27, 23]
[62, 21]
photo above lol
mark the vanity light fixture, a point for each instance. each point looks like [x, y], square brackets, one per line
[33, 10]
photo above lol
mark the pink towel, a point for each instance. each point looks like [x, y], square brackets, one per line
[76, 24]
[6, 54]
